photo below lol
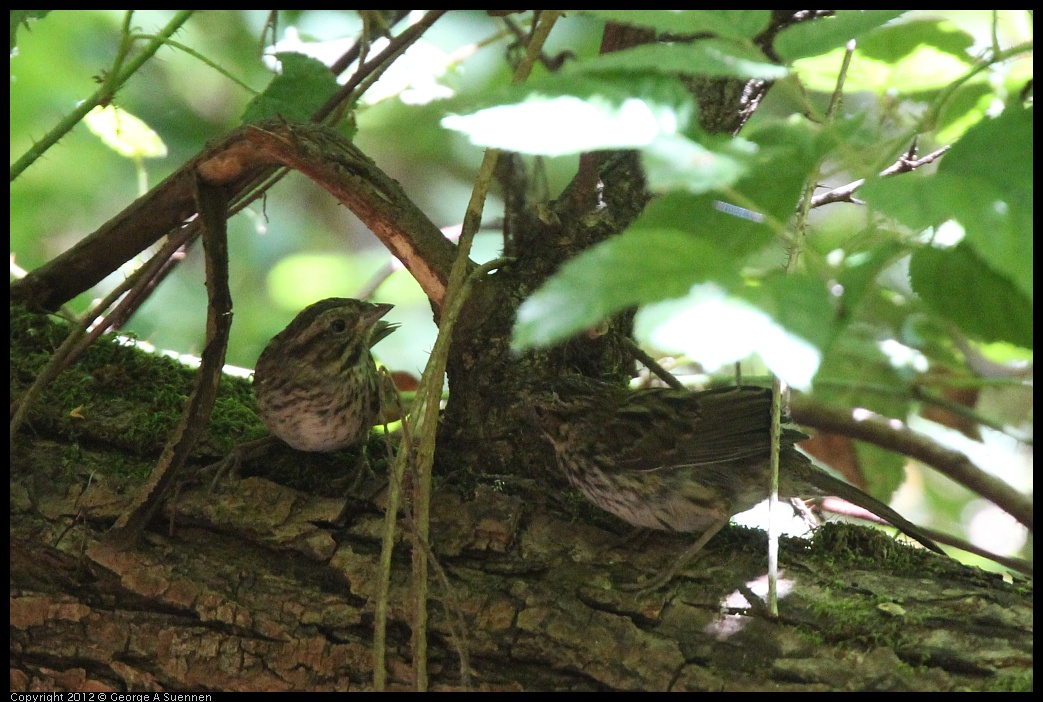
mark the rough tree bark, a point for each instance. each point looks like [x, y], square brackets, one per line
[263, 584]
[258, 586]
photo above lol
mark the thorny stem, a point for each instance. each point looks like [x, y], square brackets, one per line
[101, 96]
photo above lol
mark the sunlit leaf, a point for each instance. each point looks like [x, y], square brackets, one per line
[124, 133]
[716, 328]
[924, 68]
[572, 113]
[638, 266]
[555, 126]
[819, 36]
[675, 162]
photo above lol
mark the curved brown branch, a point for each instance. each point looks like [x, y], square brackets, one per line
[318, 152]
[886, 434]
[354, 179]
[213, 209]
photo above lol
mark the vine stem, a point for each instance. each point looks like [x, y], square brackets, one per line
[777, 386]
[423, 420]
[102, 96]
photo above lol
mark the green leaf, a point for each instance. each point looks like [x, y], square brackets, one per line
[956, 284]
[756, 179]
[968, 105]
[709, 218]
[675, 162]
[822, 35]
[303, 86]
[855, 372]
[641, 265]
[786, 153]
[896, 41]
[912, 199]
[924, 68]
[1005, 139]
[733, 24]
[22, 17]
[787, 321]
[707, 57]
[994, 205]
[901, 58]
[861, 270]
[801, 304]
[572, 113]
[1000, 228]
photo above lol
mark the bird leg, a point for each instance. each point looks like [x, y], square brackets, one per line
[228, 467]
[667, 575]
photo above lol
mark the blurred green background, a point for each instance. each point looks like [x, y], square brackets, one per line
[298, 245]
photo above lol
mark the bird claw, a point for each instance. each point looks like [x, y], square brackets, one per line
[228, 467]
[644, 587]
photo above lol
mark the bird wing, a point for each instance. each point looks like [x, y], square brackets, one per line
[681, 428]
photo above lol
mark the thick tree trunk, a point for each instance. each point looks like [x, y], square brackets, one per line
[607, 194]
[255, 586]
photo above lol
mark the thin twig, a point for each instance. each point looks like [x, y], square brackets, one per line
[663, 374]
[352, 54]
[891, 435]
[380, 61]
[213, 209]
[778, 388]
[423, 420]
[905, 163]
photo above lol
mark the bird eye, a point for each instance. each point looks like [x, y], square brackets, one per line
[338, 326]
